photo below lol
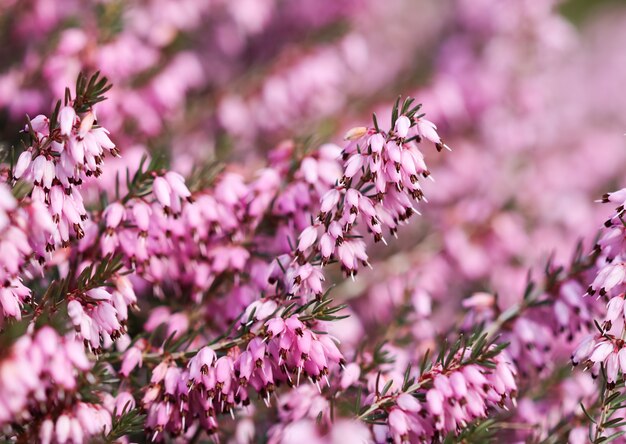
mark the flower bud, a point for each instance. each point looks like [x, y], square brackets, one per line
[355, 133]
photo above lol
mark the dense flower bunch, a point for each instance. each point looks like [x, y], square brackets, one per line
[459, 393]
[605, 348]
[210, 386]
[220, 252]
[20, 248]
[280, 342]
[45, 369]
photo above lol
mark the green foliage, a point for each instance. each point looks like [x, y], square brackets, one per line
[129, 423]
[110, 16]
[203, 176]
[321, 310]
[88, 92]
[478, 432]
[578, 11]
[140, 184]
[12, 331]
[406, 110]
[99, 274]
[96, 381]
[21, 189]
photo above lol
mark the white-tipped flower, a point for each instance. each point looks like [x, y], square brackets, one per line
[67, 116]
[22, 164]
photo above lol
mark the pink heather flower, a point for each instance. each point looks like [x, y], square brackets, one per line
[329, 200]
[200, 363]
[583, 350]
[398, 423]
[614, 308]
[133, 357]
[86, 124]
[408, 403]
[455, 398]
[176, 324]
[612, 367]
[357, 431]
[434, 402]
[306, 279]
[99, 294]
[22, 164]
[402, 126]
[350, 375]
[67, 116]
[45, 431]
[141, 212]
[428, 130]
[609, 277]
[262, 309]
[177, 183]
[114, 214]
[62, 428]
[355, 133]
[162, 191]
[275, 326]
[601, 351]
[353, 165]
[618, 197]
[11, 305]
[621, 356]
[307, 238]
[42, 362]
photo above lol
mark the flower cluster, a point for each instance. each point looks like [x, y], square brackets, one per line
[285, 352]
[24, 231]
[61, 157]
[39, 375]
[605, 349]
[446, 398]
[305, 414]
[387, 165]
[99, 315]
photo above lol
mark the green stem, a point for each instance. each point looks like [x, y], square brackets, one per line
[605, 410]
[376, 405]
